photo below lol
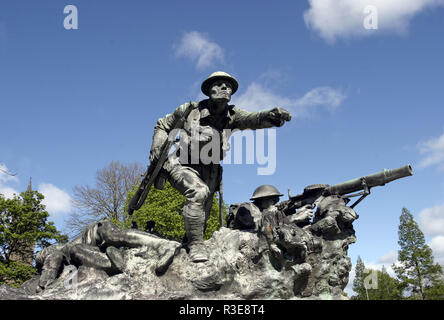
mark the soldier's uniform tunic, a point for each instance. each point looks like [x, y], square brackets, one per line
[198, 181]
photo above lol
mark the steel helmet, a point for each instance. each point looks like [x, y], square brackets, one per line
[218, 75]
[265, 191]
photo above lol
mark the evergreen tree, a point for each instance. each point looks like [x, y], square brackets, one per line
[23, 226]
[388, 287]
[358, 282]
[164, 207]
[435, 292]
[417, 272]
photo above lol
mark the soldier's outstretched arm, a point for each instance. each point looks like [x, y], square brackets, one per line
[275, 117]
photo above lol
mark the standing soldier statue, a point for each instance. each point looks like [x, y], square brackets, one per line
[209, 121]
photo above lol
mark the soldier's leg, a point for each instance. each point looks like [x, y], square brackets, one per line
[90, 256]
[207, 208]
[116, 258]
[134, 238]
[196, 192]
[211, 176]
[50, 268]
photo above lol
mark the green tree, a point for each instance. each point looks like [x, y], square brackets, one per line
[388, 288]
[14, 273]
[23, 226]
[435, 292]
[358, 282]
[417, 272]
[164, 207]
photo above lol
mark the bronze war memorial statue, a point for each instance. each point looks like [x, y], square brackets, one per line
[267, 248]
[200, 122]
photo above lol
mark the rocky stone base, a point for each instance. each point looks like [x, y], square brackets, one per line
[238, 268]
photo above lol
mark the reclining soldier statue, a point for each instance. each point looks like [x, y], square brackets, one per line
[97, 247]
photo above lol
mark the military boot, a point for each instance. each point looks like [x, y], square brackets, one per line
[194, 232]
[198, 252]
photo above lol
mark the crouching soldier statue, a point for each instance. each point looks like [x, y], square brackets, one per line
[249, 215]
[209, 122]
[97, 247]
[285, 239]
[288, 243]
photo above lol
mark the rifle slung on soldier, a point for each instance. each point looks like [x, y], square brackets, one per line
[154, 168]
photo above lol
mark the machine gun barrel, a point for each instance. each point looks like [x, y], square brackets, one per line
[313, 193]
[376, 179]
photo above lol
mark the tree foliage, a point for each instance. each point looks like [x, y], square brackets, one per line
[417, 272]
[164, 207]
[14, 273]
[387, 288]
[23, 226]
[358, 281]
[435, 292]
[106, 199]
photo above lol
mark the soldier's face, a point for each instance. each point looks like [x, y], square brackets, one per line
[266, 203]
[221, 90]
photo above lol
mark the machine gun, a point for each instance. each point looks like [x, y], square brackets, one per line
[313, 193]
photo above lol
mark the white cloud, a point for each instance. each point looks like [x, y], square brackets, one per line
[4, 176]
[198, 48]
[437, 246]
[388, 258]
[387, 265]
[5, 182]
[56, 200]
[333, 19]
[257, 97]
[433, 152]
[8, 192]
[431, 220]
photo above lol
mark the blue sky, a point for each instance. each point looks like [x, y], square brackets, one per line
[362, 100]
